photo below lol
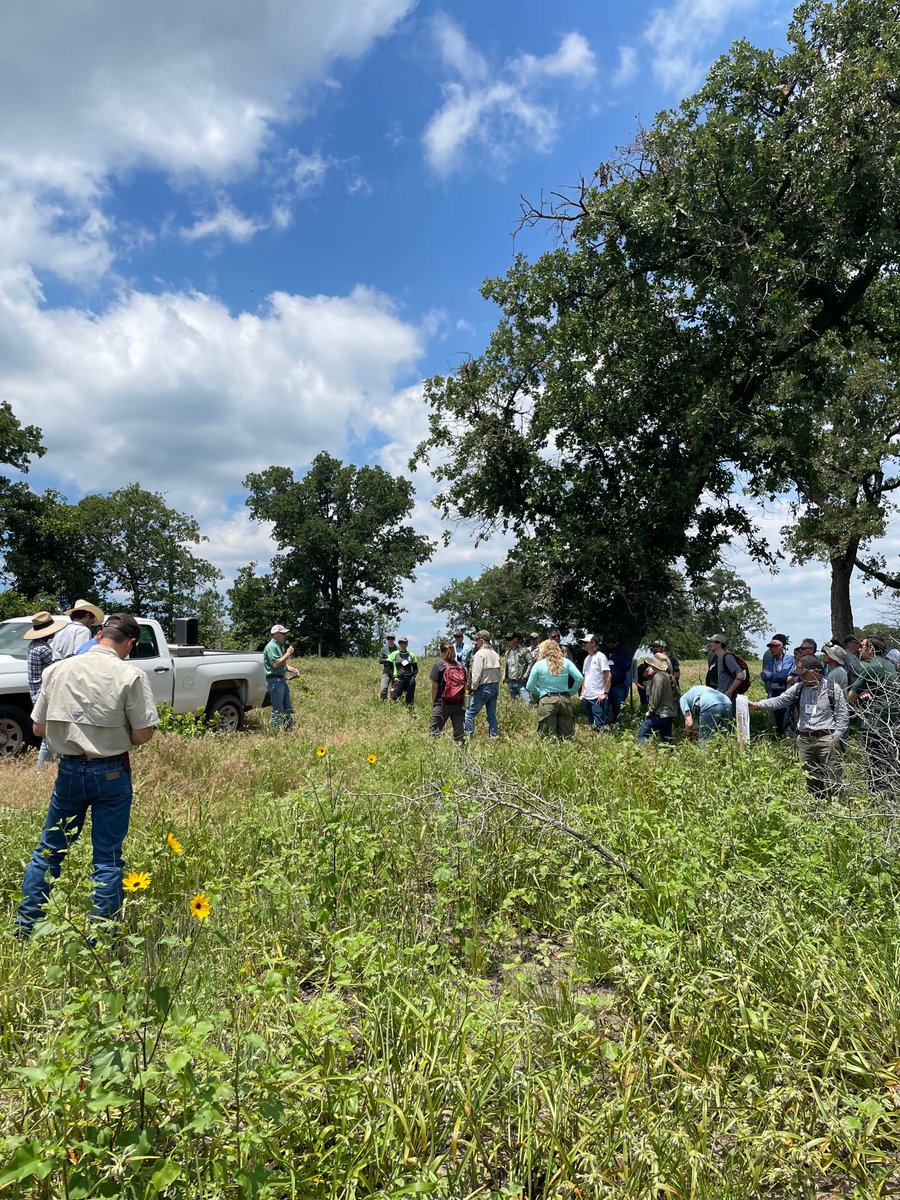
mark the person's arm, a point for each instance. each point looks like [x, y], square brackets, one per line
[576, 677]
[435, 683]
[739, 676]
[785, 700]
[532, 681]
[39, 715]
[607, 682]
[289, 653]
[841, 714]
[477, 665]
[415, 666]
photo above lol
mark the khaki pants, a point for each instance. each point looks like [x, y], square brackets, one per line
[555, 716]
[821, 762]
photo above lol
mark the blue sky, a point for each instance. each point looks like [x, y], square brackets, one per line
[242, 234]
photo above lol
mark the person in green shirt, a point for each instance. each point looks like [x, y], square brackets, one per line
[875, 695]
[406, 668]
[275, 664]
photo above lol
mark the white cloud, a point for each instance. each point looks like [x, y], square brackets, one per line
[91, 91]
[500, 110]
[225, 222]
[198, 397]
[627, 69]
[680, 36]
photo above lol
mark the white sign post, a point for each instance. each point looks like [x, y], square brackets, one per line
[742, 718]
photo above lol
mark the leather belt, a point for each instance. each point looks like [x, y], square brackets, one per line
[816, 733]
[112, 758]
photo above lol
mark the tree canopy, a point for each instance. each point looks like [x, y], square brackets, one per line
[343, 549]
[501, 598]
[638, 367]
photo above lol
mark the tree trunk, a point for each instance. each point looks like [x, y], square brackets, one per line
[841, 609]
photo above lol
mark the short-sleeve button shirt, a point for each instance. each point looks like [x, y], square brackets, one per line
[90, 704]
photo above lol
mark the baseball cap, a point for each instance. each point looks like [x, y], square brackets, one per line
[718, 637]
[589, 637]
[279, 629]
[482, 636]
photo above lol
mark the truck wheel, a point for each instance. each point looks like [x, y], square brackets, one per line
[226, 713]
[15, 730]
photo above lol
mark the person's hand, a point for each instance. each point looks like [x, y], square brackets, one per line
[289, 653]
[688, 721]
[753, 704]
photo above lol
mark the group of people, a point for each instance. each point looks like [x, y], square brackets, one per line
[466, 679]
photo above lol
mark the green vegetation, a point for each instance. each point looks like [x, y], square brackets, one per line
[404, 988]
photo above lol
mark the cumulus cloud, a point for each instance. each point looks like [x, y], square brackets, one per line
[92, 91]
[499, 110]
[679, 37]
[199, 396]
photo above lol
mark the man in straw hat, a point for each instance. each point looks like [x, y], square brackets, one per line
[82, 616]
[92, 709]
[40, 656]
[660, 699]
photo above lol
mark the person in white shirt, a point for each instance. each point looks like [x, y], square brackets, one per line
[69, 641]
[596, 684]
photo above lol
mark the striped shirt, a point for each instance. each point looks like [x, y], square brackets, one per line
[39, 658]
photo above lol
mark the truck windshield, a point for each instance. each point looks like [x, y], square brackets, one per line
[11, 638]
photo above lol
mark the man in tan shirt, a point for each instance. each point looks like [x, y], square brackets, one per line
[485, 670]
[92, 709]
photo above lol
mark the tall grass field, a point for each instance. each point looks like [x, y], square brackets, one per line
[420, 974]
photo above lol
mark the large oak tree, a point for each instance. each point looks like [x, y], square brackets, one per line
[637, 369]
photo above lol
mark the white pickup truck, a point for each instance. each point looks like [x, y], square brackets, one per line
[223, 682]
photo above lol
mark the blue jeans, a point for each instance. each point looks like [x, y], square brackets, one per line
[655, 724]
[280, 695]
[484, 697]
[518, 691]
[612, 706]
[595, 711]
[712, 722]
[105, 788]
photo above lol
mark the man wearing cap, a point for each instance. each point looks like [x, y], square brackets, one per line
[484, 684]
[387, 671]
[516, 668]
[276, 657]
[729, 672]
[596, 682]
[92, 709]
[69, 640]
[460, 649]
[534, 646]
[660, 649]
[405, 667]
[660, 700]
[40, 656]
[777, 666]
[822, 723]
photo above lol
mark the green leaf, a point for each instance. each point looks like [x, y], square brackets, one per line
[28, 1162]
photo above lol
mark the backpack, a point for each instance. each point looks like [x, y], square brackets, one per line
[744, 685]
[454, 684]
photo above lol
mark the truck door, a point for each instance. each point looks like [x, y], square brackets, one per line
[156, 661]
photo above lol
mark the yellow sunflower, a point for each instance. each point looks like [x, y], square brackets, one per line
[173, 843]
[321, 751]
[373, 759]
[136, 881]
[200, 906]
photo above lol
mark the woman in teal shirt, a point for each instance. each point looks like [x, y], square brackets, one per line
[554, 680]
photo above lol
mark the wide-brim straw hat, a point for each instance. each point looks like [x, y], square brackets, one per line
[43, 625]
[659, 661]
[86, 606]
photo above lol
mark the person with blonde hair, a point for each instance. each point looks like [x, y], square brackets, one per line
[554, 679]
